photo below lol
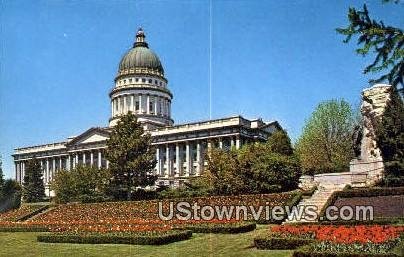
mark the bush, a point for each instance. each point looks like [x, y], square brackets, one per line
[225, 228]
[279, 243]
[21, 228]
[363, 192]
[150, 238]
[327, 249]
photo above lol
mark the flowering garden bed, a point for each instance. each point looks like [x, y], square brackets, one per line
[330, 240]
[24, 212]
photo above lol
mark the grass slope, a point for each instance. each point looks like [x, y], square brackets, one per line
[25, 244]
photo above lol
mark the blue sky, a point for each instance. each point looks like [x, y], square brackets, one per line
[271, 59]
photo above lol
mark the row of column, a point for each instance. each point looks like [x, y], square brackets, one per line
[52, 164]
[187, 158]
[141, 104]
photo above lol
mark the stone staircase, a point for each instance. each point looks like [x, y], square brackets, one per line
[317, 200]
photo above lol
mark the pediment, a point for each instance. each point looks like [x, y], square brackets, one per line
[93, 135]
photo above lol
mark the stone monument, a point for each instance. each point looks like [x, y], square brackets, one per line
[368, 166]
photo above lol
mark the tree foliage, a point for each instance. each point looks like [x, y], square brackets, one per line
[33, 186]
[264, 170]
[386, 41]
[131, 157]
[221, 176]
[81, 184]
[325, 144]
[256, 168]
[279, 142]
[390, 140]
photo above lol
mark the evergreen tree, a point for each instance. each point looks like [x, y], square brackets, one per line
[386, 41]
[390, 140]
[33, 186]
[131, 157]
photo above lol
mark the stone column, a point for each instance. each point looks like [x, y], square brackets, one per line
[16, 172]
[60, 162]
[220, 142]
[232, 143]
[178, 163]
[148, 104]
[91, 158]
[140, 104]
[112, 107]
[199, 159]
[99, 159]
[132, 100]
[125, 104]
[47, 170]
[158, 160]
[188, 159]
[84, 158]
[168, 161]
[69, 162]
[107, 163]
[53, 167]
[155, 105]
[237, 142]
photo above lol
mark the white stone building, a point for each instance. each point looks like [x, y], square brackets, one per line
[141, 88]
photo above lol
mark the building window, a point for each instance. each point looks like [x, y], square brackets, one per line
[151, 106]
[155, 81]
[150, 81]
[137, 79]
[124, 81]
[130, 80]
[143, 80]
[137, 105]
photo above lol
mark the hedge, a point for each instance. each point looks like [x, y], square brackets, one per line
[279, 243]
[114, 238]
[23, 229]
[300, 253]
[225, 228]
[362, 192]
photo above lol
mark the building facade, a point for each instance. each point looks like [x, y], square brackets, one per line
[141, 88]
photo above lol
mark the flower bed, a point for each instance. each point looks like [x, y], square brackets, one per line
[122, 212]
[138, 238]
[344, 234]
[22, 213]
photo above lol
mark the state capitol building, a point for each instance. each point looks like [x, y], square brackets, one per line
[140, 87]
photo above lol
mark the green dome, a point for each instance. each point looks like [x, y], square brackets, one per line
[140, 56]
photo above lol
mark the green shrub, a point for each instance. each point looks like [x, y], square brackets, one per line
[226, 228]
[329, 249]
[19, 228]
[154, 238]
[279, 243]
[362, 192]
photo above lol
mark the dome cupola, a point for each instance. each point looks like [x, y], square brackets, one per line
[141, 88]
[140, 58]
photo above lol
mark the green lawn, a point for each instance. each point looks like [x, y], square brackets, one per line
[25, 244]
